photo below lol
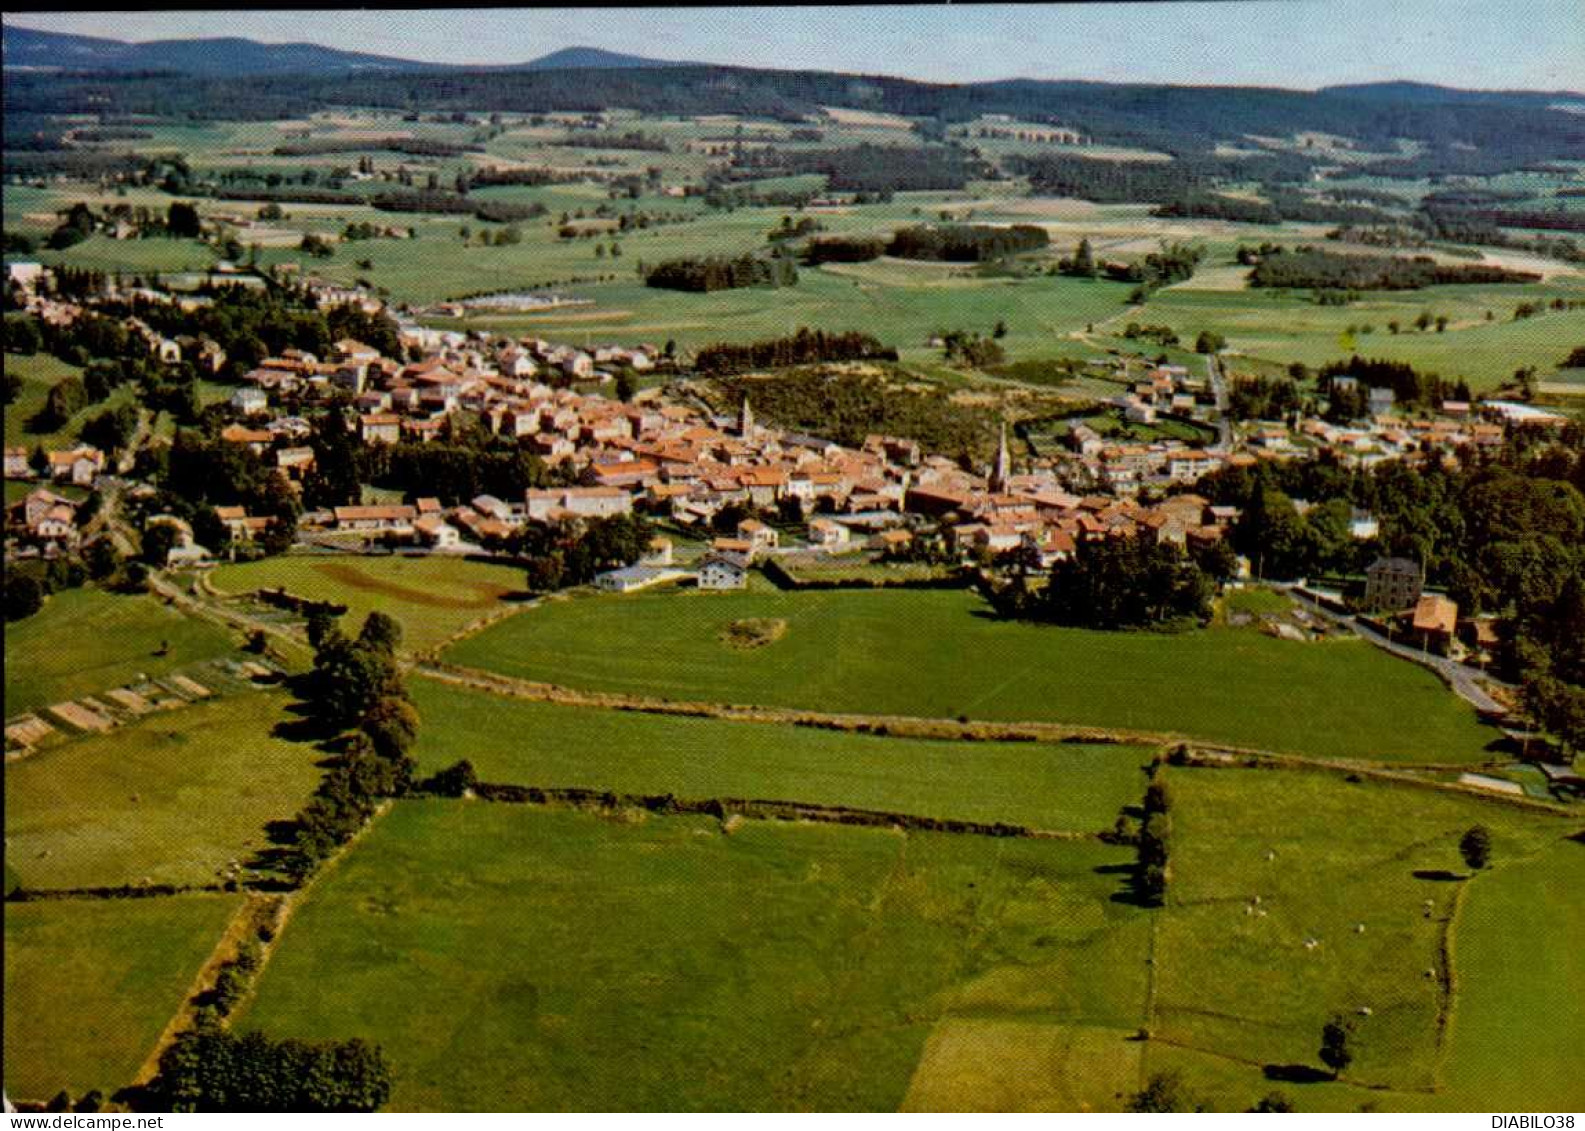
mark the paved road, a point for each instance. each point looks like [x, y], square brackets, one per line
[1224, 427]
[1461, 678]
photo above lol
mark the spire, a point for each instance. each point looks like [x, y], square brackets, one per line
[1003, 469]
[745, 419]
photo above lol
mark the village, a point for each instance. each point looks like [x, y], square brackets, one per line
[663, 455]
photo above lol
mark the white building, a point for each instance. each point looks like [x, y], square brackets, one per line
[723, 570]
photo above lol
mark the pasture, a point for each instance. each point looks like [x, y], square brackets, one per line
[943, 654]
[1288, 326]
[512, 740]
[171, 798]
[1521, 984]
[432, 597]
[90, 984]
[1237, 980]
[543, 959]
[85, 641]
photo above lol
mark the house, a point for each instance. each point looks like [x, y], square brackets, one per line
[47, 516]
[294, 463]
[397, 518]
[255, 439]
[828, 535]
[1362, 525]
[583, 502]
[250, 401]
[380, 428]
[758, 535]
[723, 570]
[80, 466]
[436, 532]
[659, 553]
[17, 465]
[1434, 621]
[1380, 400]
[1392, 584]
[1085, 440]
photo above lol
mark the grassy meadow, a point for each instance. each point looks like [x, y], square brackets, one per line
[85, 641]
[89, 986]
[511, 740]
[943, 654]
[171, 798]
[509, 957]
[1325, 857]
[432, 597]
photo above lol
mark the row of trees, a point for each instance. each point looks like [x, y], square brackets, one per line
[1325, 270]
[869, 168]
[1117, 583]
[574, 552]
[355, 686]
[966, 243]
[211, 1069]
[1263, 398]
[719, 273]
[805, 347]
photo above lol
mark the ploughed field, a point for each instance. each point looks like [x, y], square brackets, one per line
[942, 654]
[432, 597]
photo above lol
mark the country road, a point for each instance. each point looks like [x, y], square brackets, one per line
[1464, 681]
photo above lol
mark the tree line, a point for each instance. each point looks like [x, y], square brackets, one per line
[719, 273]
[804, 347]
[966, 243]
[1314, 267]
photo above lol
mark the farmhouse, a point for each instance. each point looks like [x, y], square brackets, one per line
[723, 570]
[80, 466]
[1435, 619]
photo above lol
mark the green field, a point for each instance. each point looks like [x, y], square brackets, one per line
[1244, 985]
[85, 641]
[512, 740]
[39, 372]
[509, 957]
[172, 798]
[1521, 971]
[433, 597]
[1288, 326]
[89, 986]
[941, 654]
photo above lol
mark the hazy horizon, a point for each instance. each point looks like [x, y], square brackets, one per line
[1299, 45]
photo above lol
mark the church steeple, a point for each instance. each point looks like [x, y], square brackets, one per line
[1004, 464]
[745, 420]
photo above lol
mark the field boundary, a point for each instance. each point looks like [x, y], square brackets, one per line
[1197, 752]
[724, 808]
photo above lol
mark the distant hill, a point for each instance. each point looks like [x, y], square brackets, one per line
[47, 50]
[1430, 94]
[25, 47]
[592, 58]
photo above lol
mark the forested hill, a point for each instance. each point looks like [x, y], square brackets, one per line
[233, 57]
[1459, 131]
[25, 47]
